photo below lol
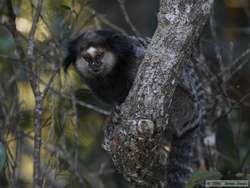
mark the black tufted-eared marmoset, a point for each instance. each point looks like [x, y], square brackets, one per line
[107, 62]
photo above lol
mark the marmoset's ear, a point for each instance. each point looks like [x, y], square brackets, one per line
[71, 55]
[72, 51]
[67, 61]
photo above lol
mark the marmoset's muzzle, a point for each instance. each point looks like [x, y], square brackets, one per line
[94, 65]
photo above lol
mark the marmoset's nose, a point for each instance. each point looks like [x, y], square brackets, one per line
[94, 65]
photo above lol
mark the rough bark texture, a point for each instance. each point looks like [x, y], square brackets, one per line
[136, 134]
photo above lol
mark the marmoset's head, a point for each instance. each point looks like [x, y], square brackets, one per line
[92, 53]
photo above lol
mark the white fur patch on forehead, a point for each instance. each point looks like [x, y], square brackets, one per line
[92, 51]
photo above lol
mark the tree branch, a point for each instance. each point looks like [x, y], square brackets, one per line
[37, 183]
[135, 136]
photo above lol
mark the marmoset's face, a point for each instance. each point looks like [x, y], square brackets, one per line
[94, 61]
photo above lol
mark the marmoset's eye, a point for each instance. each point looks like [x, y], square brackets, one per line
[99, 55]
[87, 57]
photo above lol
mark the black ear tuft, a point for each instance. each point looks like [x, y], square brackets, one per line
[72, 55]
[67, 61]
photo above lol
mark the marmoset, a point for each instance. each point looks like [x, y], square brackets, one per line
[108, 61]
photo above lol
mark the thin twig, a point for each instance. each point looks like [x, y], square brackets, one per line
[37, 181]
[10, 58]
[54, 37]
[35, 20]
[238, 65]
[214, 35]
[113, 26]
[127, 18]
[48, 87]
[235, 66]
[57, 151]
[11, 26]
[246, 157]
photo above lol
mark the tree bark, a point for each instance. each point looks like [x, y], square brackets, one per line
[136, 134]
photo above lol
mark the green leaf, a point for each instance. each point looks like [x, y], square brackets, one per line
[2, 156]
[67, 4]
[199, 177]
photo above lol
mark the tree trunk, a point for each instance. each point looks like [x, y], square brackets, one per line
[136, 134]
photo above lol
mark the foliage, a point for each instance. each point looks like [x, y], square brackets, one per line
[71, 132]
